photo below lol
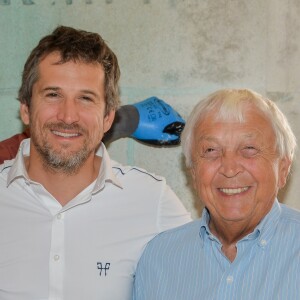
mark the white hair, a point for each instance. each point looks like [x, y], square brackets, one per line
[230, 104]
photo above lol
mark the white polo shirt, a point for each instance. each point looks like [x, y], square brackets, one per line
[87, 249]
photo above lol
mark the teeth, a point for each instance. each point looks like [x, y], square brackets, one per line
[65, 134]
[234, 191]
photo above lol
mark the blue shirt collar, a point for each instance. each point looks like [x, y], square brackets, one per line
[263, 232]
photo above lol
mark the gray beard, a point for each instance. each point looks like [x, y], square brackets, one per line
[61, 161]
[53, 160]
[56, 162]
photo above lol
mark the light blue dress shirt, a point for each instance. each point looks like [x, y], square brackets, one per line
[187, 263]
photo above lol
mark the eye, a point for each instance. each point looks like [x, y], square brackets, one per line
[87, 99]
[211, 152]
[52, 95]
[249, 151]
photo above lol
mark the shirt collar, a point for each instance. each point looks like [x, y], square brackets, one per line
[263, 232]
[106, 173]
[266, 228]
[18, 169]
[204, 228]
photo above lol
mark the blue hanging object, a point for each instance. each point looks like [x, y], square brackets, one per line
[159, 124]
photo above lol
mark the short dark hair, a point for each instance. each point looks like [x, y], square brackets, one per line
[76, 45]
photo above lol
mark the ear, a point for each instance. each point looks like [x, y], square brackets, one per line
[193, 175]
[283, 169]
[108, 120]
[24, 113]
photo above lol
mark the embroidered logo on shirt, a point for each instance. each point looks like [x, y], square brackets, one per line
[103, 267]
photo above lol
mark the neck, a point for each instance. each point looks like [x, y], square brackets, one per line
[229, 233]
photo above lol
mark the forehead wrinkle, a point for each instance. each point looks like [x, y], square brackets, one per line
[214, 138]
[206, 138]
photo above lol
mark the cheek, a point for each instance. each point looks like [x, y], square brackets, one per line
[206, 172]
[42, 115]
[94, 125]
[204, 189]
[264, 170]
[203, 179]
[265, 175]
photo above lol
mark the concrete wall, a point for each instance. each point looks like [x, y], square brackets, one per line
[178, 50]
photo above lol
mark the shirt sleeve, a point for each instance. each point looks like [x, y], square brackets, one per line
[138, 292]
[147, 277]
[171, 212]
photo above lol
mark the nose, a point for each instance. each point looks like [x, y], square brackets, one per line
[230, 165]
[68, 111]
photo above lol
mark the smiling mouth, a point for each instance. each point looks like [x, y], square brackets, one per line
[230, 191]
[65, 134]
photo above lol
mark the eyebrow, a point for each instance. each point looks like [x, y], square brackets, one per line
[51, 88]
[56, 88]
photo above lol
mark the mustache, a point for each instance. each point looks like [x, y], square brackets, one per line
[63, 126]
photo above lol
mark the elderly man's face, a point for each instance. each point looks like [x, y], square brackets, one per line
[237, 171]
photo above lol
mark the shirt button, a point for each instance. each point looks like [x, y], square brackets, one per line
[229, 279]
[56, 257]
[59, 216]
[263, 243]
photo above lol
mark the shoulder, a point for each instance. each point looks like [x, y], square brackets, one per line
[133, 171]
[145, 185]
[152, 195]
[5, 166]
[4, 169]
[181, 236]
[290, 215]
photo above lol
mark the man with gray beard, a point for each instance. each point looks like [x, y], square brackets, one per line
[73, 223]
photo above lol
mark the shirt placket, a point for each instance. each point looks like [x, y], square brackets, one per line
[57, 257]
[229, 285]
[57, 244]
[227, 276]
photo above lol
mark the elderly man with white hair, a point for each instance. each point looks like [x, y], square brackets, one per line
[239, 148]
